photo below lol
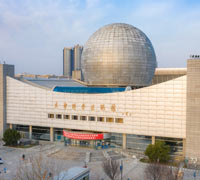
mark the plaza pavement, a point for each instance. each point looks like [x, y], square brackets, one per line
[75, 156]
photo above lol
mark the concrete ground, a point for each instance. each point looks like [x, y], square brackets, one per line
[75, 156]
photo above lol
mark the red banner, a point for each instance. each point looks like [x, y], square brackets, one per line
[73, 135]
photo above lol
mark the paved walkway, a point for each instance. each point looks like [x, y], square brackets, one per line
[67, 157]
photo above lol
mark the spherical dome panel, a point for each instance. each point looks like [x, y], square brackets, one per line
[118, 54]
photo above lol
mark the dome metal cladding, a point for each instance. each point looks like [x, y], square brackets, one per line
[118, 54]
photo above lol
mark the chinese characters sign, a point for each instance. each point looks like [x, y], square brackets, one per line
[73, 135]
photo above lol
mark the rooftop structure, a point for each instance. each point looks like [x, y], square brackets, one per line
[53, 82]
[87, 90]
[118, 54]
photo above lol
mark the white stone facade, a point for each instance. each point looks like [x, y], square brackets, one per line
[158, 110]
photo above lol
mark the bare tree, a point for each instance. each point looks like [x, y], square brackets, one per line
[37, 168]
[111, 168]
[158, 171]
[173, 173]
[154, 171]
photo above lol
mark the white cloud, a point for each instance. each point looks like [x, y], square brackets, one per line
[39, 33]
[35, 32]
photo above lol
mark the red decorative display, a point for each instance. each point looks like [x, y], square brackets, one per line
[72, 135]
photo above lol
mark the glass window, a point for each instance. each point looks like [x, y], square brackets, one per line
[109, 119]
[74, 117]
[23, 130]
[51, 116]
[91, 118]
[83, 118]
[65, 116]
[119, 120]
[58, 134]
[100, 119]
[41, 133]
[176, 144]
[116, 140]
[58, 116]
[137, 143]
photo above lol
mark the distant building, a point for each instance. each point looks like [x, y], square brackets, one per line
[71, 59]
[67, 61]
[77, 57]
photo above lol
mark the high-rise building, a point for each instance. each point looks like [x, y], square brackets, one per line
[77, 57]
[67, 61]
[71, 59]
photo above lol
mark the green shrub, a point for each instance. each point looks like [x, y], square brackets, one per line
[10, 137]
[158, 152]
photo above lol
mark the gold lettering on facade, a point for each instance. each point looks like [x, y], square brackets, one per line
[92, 107]
[102, 107]
[56, 105]
[74, 106]
[113, 108]
[83, 106]
[65, 105]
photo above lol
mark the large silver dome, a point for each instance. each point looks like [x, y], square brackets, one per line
[118, 54]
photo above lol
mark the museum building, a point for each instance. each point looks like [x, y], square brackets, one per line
[123, 100]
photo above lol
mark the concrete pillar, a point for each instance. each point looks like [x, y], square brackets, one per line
[51, 134]
[124, 141]
[5, 70]
[30, 132]
[192, 108]
[10, 126]
[184, 147]
[153, 139]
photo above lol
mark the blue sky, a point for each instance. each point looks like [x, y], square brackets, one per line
[34, 32]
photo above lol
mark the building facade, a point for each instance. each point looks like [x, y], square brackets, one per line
[166, 111]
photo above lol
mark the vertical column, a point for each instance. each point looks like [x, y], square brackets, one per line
[124, 141]
[153, 140]
[51, 134]
[184, 147]
[192, 109]
[5, 70]
[10, 126]
[30, 132]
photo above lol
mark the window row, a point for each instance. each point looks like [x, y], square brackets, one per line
[85, 118]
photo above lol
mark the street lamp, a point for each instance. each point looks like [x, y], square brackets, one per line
[121, 169]
[195, 166]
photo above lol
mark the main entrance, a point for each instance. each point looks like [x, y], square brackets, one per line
[85, 139]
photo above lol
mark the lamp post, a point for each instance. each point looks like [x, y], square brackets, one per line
[195, 166]
[121, 169]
